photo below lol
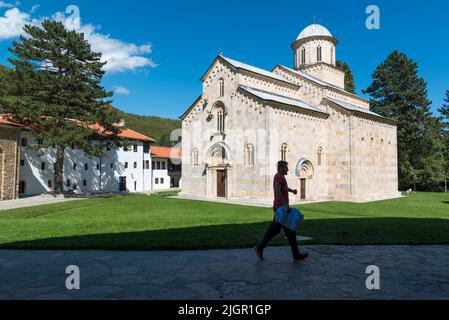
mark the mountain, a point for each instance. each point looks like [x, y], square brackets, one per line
[157, 128]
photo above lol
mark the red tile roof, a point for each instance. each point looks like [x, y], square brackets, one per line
[9, 123]
[165, 152]
[131, 134]
[124, 132]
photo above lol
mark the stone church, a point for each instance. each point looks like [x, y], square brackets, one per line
[247, 119]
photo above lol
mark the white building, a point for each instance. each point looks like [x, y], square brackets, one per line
[166, 167]
[118, 171]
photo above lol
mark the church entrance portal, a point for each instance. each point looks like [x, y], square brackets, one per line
[305, 173]
[303, 189]
[221, 183]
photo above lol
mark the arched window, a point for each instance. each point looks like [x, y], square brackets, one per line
[373, 158]
[220, 120]
[195, 161]
[320, 156]
[318, 54]
[249, 154]
[219, 113]
[284, 152]
[221, 87]
[303, 56]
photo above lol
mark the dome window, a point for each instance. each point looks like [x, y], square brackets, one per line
[303, 56]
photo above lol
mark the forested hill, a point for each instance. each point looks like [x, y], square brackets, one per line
[157, 128]
[154, 127]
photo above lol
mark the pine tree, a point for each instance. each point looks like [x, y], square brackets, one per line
[397, 92]
[444, 111]
[349, 77]
[56, 80]
[5, 81]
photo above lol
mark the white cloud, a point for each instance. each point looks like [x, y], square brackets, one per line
[12, 23]
[121, 90]
[120, 56]
[35, 8]
[8, 5]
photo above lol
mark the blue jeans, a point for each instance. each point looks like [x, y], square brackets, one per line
[273, 230]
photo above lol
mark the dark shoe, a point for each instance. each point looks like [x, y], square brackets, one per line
[259, 253]
[301, 257]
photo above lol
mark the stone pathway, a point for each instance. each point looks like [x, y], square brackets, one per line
[44, 199]
[33, 201]
[332, 272]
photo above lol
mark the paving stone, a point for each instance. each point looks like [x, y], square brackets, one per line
[331, 272]
[126, 271]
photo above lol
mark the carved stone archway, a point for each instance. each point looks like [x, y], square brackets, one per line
[218, 167]
[304, 169]
[305, 172]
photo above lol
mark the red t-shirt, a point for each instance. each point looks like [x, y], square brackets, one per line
[280, 179]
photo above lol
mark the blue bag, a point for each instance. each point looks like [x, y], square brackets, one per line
[290, 219]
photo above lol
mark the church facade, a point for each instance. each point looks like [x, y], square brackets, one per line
[247, 119]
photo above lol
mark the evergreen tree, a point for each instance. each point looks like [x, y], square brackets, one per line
[444, 111]
[349, 77]
[5, 81]
[397, 92]
[56, 81]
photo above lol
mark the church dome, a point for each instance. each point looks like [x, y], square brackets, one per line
[314, 30]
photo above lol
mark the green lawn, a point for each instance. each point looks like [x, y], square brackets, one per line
[156, 222]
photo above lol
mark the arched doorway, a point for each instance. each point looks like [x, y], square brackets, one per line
[305, 172]
[218, 166]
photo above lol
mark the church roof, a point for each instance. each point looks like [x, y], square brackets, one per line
[273, 97]
[243, 66]
[314, 30]
[357, 109]
[184, 115]
[248, 67]
[240, 65]
[268, 96]
[321, 82]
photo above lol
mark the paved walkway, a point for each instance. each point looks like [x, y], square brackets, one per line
[40, 200]
[332, 272]
[33, 201]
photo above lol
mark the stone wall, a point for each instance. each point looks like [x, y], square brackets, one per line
[327, 73]
[9, 163]
[303, 134]
[313, 93]
[374, 159]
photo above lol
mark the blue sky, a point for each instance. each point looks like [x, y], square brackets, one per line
[162, 48]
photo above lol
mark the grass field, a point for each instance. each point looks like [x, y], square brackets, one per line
[139, 222]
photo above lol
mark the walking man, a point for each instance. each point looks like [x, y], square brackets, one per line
[281, 199]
